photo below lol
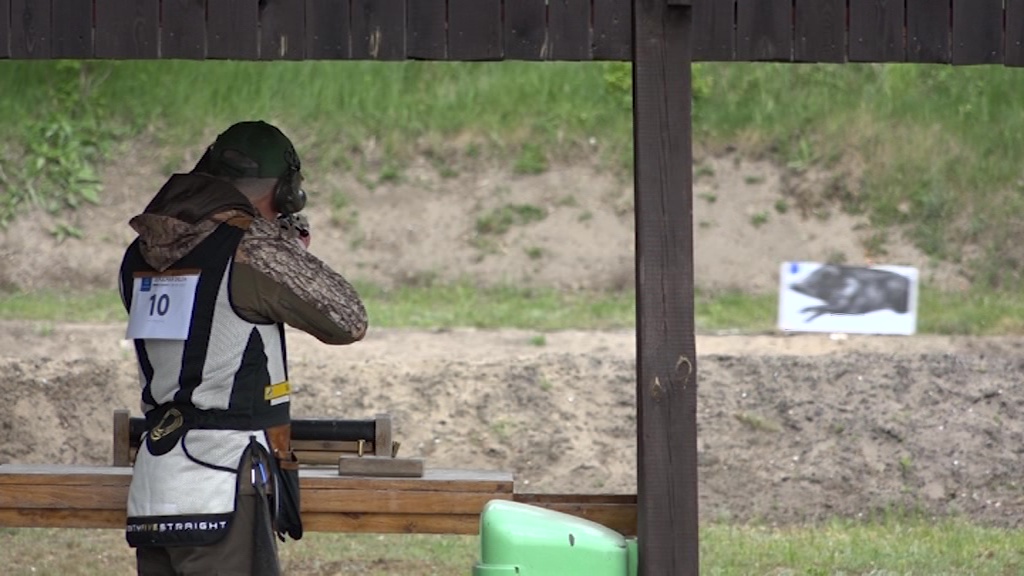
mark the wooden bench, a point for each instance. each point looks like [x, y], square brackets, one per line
[441, 502]
[438, 501]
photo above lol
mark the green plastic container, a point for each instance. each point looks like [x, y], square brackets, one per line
[523, 540]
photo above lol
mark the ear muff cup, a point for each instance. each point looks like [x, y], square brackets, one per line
[289, 197]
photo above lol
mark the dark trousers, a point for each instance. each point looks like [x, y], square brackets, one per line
[248, 549]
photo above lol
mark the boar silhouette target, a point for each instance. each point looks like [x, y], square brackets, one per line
[853, 290]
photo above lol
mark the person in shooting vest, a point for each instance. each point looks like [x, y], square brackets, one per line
[219, 267]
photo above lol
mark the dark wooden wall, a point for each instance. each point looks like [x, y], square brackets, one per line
[947, 31]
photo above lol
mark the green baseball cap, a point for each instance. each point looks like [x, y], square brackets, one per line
[250, 149]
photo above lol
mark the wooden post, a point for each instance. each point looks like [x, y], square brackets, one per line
[122, 438]
[666, 347]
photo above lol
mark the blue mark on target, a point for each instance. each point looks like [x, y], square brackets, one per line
[794, 268]
[147, 283]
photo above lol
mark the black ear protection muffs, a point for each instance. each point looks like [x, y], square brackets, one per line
[289, 197]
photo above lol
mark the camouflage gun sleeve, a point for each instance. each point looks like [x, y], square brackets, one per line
[275, 279]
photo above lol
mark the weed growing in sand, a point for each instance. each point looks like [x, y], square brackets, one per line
[906, 466]
[390, 173]
[703, 171]
[44, 329]
[759, 219]
[532, 160]
[500, 220]
[757, 423]
[538, 340]
[502, 429]
[569, 201]
[534, 252]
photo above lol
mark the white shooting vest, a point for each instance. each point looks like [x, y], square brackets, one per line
[205, 397]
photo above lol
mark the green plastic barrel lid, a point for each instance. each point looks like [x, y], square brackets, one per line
[534, 541]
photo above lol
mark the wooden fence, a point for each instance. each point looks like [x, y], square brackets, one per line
[948, 31]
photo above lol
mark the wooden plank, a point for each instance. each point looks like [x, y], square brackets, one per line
[613, 37]
[764, 30]
[183, 29]
[231, 27]
[928, 30]
[1014, 33]
[616, 511]
[666, 349]
[380, 466]
[92, 497]
[474, 29]
[382, 439]
[327, 30]
[307, 458]
[820, 34]
[714, 30]
[437, 479]
[122, 438]
[395, 501]
[426, 36]
[30, 29]
[330, 446]
[876, 31]
[72, 29]
[5, 28]
[64, 475]
[378, 29]
[526, 30]
[312, 521]
[127, 28]
[569, 30]
[282, 29]
[392, 523]
[55, 518]
[977, 31]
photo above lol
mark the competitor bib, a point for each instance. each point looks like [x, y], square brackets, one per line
[162, 305]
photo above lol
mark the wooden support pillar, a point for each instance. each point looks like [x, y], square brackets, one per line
[666, 347]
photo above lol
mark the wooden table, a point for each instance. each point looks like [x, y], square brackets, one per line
[441, 502]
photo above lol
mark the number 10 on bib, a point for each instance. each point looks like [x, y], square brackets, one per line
[162, 306]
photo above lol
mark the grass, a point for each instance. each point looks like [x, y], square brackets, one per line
[63, 307]
[463, 305]
[884, 546]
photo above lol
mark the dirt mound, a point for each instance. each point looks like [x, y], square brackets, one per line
[791, 429]
[570, 227]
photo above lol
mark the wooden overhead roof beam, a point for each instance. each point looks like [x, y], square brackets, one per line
[958, 32]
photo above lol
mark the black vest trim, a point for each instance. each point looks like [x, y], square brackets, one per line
[196, 419]
[147, 372]
[196, 530]
[184, 448]
[133, 261]
[215, 252]
[252, 377]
